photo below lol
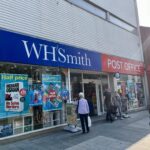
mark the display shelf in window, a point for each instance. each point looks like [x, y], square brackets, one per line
[18, 125]
[6, 128]
[28, 123]
[47, 119]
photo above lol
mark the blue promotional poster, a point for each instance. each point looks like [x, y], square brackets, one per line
[13, 95]
[51, 85]
[64, 93]
[35, 95]
[131, 89]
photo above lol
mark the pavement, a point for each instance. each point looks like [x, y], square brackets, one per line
[129, 134]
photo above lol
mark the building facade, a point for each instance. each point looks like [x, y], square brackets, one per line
[52, 50]
[145, 37]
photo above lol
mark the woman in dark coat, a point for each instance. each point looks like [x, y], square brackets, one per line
[108, 104]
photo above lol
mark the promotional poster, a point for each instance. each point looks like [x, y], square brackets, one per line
[13, 99]
[51, 85]
[13, 94]
[131, 89]
[64, 93]
[35, 94]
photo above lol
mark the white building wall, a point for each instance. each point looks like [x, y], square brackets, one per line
[124, 9]
[60, 21]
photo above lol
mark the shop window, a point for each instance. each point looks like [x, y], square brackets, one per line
[89, 7]
[117, 21]
[76, 85]
[96, 10]
[132, 88]
[28, 123]
[104, 80]
[32, 97]
[6, 127]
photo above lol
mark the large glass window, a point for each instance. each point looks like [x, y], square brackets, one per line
[89, 7]
[131, 87]
[76, 85]
[104, 80]
[115, 20]
[100, 12]
[32, 97]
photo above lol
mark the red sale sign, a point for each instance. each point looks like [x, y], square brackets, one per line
[121, 65]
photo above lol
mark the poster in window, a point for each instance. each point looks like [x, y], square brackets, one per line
[35, 95]
[14, 99]
[131, 89]
[51, 85]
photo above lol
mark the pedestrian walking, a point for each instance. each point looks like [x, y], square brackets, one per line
[83, 111]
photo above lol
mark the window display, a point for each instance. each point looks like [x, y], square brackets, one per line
[27, 123]
[131, 87]
[28, 95]
[6, 127]
[140, 93]
[18, 125]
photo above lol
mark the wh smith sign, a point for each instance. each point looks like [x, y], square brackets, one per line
[28, 50]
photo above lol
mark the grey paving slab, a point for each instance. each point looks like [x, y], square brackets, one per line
[103, 135]
[143, 124]
[101, 143]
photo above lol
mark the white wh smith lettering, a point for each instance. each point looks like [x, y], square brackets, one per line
[55, 54]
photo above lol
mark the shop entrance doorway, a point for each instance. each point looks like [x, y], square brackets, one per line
[94, 94]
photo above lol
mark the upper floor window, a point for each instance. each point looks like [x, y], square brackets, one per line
[121, 23]
[100, 12]
[89, 7]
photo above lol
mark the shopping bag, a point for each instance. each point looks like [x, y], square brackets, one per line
[89, 122]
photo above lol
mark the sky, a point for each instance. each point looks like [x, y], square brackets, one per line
[144, 12]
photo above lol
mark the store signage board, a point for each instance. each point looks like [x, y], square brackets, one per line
[23, 49]
[115, 64]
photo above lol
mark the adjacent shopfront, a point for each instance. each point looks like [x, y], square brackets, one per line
[38, 77]
[127, 76]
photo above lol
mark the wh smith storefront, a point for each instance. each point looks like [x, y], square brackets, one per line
[38, 77]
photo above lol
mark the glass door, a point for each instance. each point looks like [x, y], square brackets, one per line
[90, 95]
[100, 101]
[93, 93]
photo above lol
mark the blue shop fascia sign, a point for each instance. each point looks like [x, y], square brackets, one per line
[17, 48]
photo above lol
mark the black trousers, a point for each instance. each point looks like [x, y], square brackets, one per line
[84, 122]
[108, 115]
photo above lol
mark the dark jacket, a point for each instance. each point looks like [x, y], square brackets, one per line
[107, 99]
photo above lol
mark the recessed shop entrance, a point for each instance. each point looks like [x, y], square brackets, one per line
[93, 93]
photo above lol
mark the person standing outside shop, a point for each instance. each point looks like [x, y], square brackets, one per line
[83, 111]
[125, 100]
[118, 103]
[108, 104]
